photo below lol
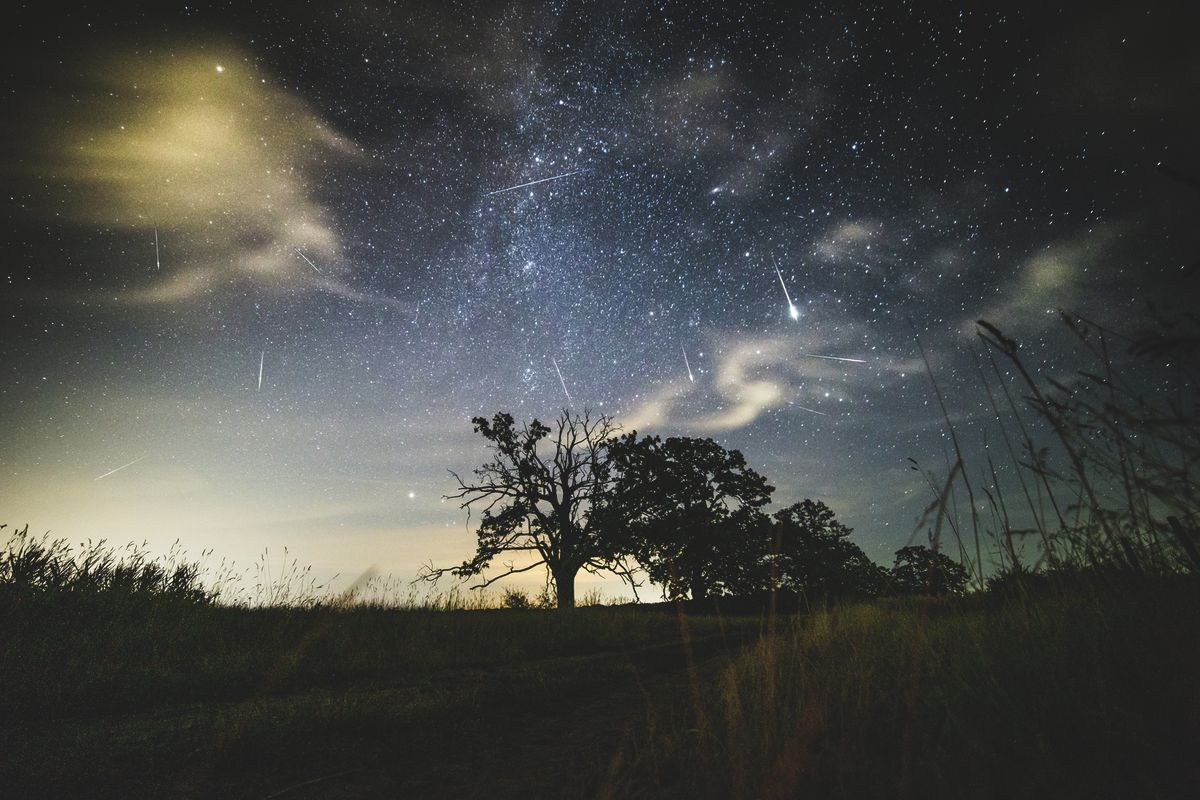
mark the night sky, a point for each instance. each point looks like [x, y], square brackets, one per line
[325, 191]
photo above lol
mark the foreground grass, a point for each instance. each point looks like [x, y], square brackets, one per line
[125, 696]
[1081, 692]
[1084, 692]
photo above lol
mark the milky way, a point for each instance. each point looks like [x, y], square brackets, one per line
[425, 212]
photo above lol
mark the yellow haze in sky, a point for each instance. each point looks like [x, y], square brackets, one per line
[220, 162]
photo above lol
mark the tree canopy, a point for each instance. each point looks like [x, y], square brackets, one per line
[692, 513]
[814, 557]
[920, 570]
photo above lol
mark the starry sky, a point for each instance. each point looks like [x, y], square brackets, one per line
[266, 262]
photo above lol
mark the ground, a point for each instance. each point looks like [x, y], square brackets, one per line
[1085, 690]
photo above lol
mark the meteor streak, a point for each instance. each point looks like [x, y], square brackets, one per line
[835, 358]
[812, 410]
[118, 469]
[534, 183]
[157, 263]
[560, 379]
[691, 377]
[261, 357]
[792, 310]
[309, 260]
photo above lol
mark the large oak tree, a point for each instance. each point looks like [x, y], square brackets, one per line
[541, 497]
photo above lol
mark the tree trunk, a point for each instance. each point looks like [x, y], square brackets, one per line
[564, 586]
[699, 587]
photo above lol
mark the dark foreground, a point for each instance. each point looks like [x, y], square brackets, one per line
[1077, 692]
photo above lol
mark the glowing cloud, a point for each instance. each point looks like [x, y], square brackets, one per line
[207, 151]
[756, 375]
[1046, 282]
[745, 396]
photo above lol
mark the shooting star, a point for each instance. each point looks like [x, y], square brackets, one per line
[835, 358]
[534, 183]
[309, 261]
[560, 379]
[118, 469]
[691, 377]
[418, 314]
[795, 312]
[812, 410]
[261, 357]
[157, 262]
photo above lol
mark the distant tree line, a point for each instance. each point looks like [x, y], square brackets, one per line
[683, 512]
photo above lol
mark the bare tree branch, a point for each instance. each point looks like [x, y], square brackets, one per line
[511, 571]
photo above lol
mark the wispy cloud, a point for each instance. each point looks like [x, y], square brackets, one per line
[755, 375]
[1047, 281]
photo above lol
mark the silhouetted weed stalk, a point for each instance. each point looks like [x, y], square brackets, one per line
[1100, 466]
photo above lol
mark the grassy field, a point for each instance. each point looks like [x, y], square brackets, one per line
[1082, 691]
[141, 697]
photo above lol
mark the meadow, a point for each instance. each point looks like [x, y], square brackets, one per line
[120, 682]
[1076, 687]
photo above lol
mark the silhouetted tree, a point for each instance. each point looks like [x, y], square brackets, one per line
[538, 495]
[815, 559]
[919, 570]
[691, 514]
